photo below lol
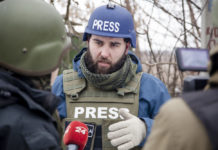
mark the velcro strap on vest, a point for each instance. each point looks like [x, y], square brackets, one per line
[73, 84]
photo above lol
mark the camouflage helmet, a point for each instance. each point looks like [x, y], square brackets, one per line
[32, 37]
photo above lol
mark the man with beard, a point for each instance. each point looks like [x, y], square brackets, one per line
[106, 88]
[30, 31]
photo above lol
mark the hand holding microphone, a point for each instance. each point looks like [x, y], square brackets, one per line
[76, 136]
[128, 133]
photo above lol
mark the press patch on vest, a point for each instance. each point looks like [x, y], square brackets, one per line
[97, 113]
[106, 26]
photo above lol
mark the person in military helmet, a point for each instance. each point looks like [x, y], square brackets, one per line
[107, 84]
[190, 122]
[32, 41]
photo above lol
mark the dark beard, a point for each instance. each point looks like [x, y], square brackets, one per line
[93, 67]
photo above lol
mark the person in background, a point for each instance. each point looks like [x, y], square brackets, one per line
[190, 122]
[32, 42]
[107, 82]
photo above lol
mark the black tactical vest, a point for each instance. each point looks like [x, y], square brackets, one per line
[204, 104]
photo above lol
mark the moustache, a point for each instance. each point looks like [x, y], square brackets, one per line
[103, 60]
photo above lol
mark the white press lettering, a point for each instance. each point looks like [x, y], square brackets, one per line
[111, 27]
[117, 26]
[90, 112]
[102, 112]
[105, 25]
[95, 23]
[98, 113]
[113, 113]
[78, 111]
[100, 24]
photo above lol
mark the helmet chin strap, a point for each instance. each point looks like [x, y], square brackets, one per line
[127, 47]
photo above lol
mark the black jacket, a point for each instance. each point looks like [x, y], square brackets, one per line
[204, 104]
[26, 122]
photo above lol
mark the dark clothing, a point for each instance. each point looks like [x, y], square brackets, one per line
[204, 104]
[26, 121]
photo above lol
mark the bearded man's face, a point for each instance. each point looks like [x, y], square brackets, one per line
[105, 55]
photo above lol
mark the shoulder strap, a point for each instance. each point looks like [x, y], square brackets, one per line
[131, 87]
[72, 83]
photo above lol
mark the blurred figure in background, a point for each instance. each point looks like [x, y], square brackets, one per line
[190, 122]
[32, 42]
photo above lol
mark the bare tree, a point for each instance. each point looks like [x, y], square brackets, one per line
[160, 26]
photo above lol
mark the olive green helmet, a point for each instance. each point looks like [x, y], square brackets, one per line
[32, 37]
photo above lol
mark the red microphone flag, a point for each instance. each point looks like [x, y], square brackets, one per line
[76, 133]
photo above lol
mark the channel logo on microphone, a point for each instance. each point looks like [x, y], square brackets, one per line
[80, 129]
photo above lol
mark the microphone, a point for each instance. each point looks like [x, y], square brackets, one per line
[76, 136]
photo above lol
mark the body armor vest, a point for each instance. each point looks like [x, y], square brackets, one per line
[204, 105]
[98, 108]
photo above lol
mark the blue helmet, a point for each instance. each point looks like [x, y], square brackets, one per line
[112, 21]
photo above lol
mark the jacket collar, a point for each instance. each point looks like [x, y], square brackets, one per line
[13, 90]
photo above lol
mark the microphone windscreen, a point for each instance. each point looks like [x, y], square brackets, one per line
[76, 133]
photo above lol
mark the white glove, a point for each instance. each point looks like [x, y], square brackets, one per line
[128, 133]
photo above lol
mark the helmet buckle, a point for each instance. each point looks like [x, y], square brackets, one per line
[110, 5]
